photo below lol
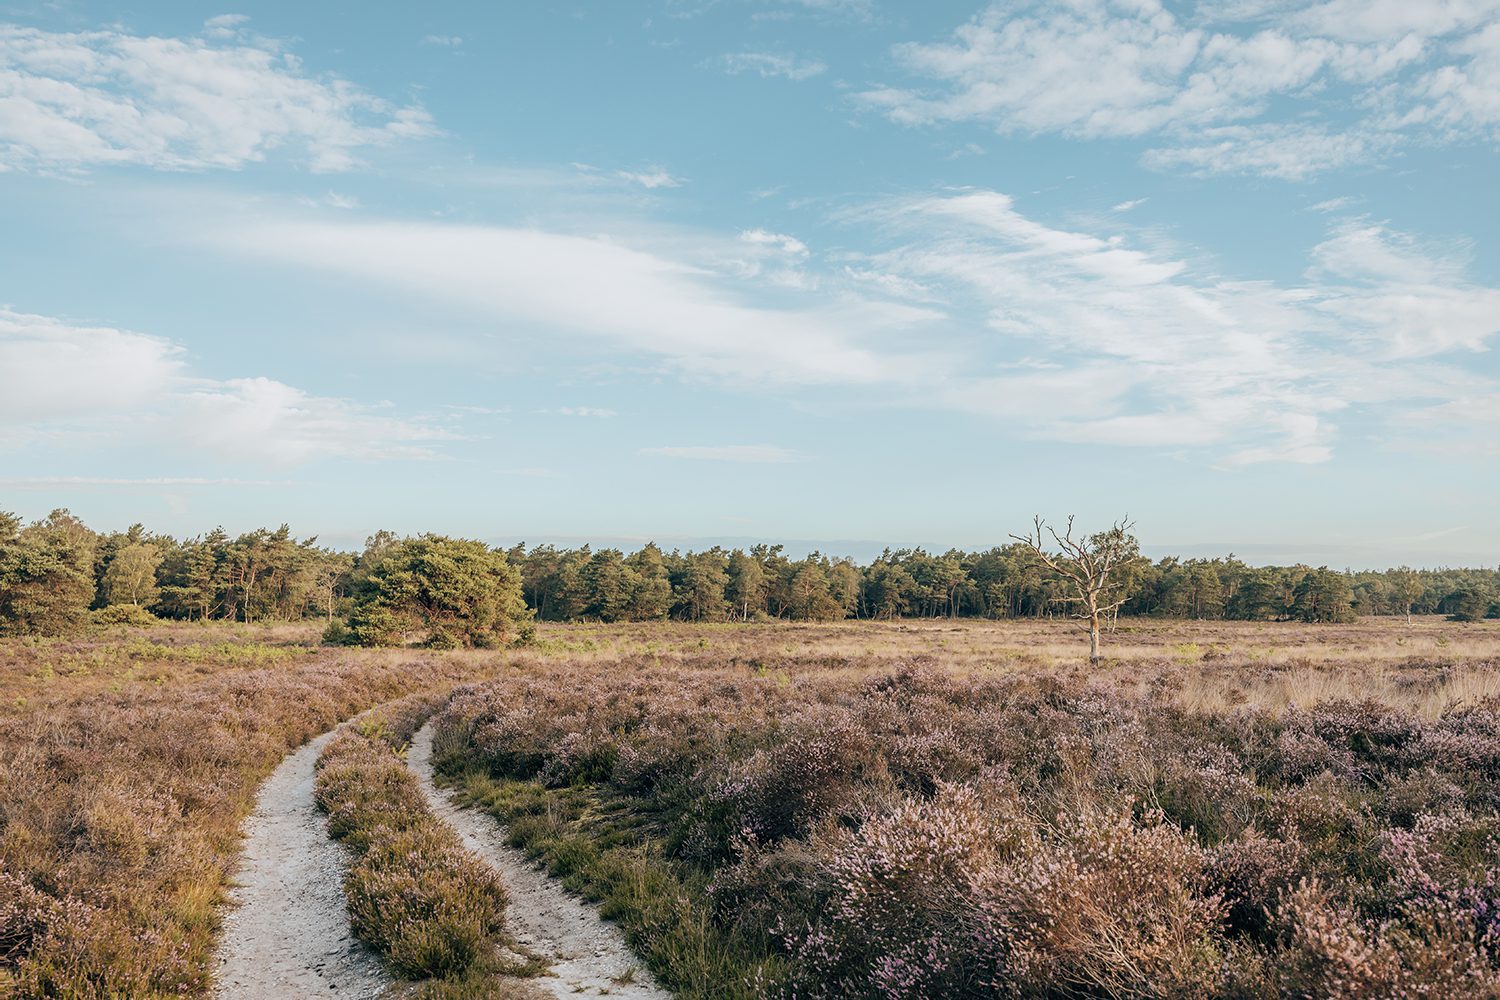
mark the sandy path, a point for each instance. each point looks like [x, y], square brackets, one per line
[288, 934]
[587, 953]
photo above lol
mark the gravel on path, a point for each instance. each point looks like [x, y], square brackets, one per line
[288, 934]
[588, 954]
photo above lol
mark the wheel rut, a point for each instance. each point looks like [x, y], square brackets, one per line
[288, 933]
[588, 954]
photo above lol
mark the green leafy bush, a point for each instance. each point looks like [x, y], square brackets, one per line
[462, 593]
[123, 614]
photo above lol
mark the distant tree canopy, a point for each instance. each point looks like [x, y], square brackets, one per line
[55, 572]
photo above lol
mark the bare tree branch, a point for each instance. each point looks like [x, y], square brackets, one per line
[1092, 565]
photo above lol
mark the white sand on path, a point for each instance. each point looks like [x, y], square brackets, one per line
[288, 934]
[588, 954]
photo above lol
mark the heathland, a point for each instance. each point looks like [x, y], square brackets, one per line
[906, 808]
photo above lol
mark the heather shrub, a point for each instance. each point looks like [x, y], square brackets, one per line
[1251, 873]
[128, 766]
[918, 833]
[1107, 906]
[432, 908]
[899, 918]
[414, 893]
[1438, 950]
[824, 765]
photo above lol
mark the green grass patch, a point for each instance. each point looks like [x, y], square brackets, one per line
[606, 852]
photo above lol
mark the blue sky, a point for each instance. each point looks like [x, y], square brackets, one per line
[839, 271]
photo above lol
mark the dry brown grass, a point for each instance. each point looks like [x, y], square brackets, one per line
[435, 910]
[1428, 666]
[128, 767]
[130, 760]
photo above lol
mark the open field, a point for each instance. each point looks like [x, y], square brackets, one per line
[933, 808]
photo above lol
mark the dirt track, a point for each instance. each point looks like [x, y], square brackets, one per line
[288, 934]
[589, 956]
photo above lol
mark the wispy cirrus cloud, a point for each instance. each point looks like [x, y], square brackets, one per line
[71, 101]
[1129, 346]
[769, 64]
[1211, 82]
[598, 412]
[651, 178]
[752, 453]
[967, 303]
[679, 303]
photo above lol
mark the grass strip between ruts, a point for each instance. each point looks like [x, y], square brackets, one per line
[434, 910]
[599, 852]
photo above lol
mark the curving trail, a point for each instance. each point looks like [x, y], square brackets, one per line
[589, 955]
[288, 934]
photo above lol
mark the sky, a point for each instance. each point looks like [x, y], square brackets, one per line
[840, 273]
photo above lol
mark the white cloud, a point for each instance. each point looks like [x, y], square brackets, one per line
[1126, 206]
[1463, 99]
[650, 178]
[605, 291]
[1209, 82]
[788, 245]
[71, 101]
[771, 64]
[753, 453]
[1373, 20]
[269, 421]
[345, 201]
[585, 411]
[1139, 348]
[1406, 302]
[1333, 204]
[100, 380]
[969, 305]
[445, 41]
[225, 26]
[1289, 152]
[49, 368]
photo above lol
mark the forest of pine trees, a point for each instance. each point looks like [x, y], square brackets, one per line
[56, 575]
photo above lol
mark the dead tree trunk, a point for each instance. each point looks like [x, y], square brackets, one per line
[1092, 567]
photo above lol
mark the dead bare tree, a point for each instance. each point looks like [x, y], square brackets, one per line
[1095, 567]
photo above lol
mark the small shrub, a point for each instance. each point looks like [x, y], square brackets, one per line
[123, 614]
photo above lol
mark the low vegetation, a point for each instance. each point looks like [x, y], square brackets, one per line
[1331, 785]
[819, 826]
[432, 908]
[130, 762]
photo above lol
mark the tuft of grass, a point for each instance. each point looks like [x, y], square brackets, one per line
[432, 908]
[662, 910]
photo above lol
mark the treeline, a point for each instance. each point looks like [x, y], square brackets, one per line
[1004, 582]
[57, 575]
[56, 571]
